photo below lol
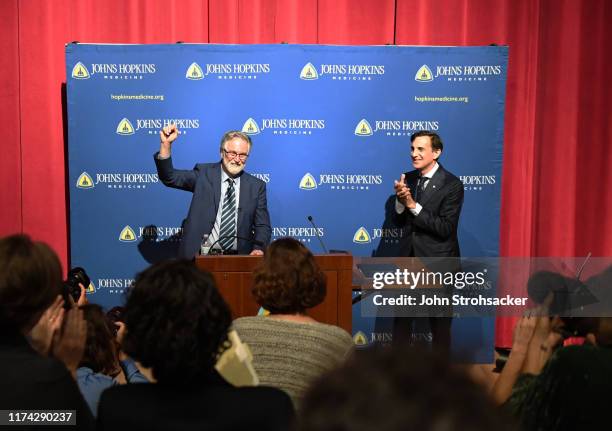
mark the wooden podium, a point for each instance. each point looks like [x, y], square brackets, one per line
[234, 277]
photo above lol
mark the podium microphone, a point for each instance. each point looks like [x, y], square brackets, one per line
[318, 235]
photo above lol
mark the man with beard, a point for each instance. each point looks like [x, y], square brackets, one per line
[228, 204]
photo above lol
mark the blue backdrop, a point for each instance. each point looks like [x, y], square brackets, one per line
[330, 126]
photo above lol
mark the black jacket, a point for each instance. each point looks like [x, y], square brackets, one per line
[212, 405]
[34, 382]
[433, 233]
[204, 181]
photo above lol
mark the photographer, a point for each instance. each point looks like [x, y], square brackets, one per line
[103, 364]
[566, 388]
[31, 314]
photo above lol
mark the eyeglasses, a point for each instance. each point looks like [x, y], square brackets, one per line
[234, 155]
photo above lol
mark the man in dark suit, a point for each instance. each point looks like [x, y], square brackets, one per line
[428, 205]
[229, 206]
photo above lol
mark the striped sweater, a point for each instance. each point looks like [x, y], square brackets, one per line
[290, 355]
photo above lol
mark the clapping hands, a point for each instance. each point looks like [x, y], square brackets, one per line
[62, 333]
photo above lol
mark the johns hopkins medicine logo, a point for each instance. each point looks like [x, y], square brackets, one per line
[194, 72]
[250, 127]
[301, 233]
[115, 285]
[79, 71]
[227, 71]
[342, 72]
[117, 180]
[118, 71]
[394, 127]
[85, 181]
[423, 74]
[282, 126]
[308, 182]
[478, 182]
[340, 182]
[363, 128]
[360, 339]
[127, 234]
[151, 234]
[387, 235]
[125, 127]
[309, 72]
[458, 73]
[152, 126]
[362, 236]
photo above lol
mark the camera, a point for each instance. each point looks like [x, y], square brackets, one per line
[71, 284]
[115, 315]
[568, 295]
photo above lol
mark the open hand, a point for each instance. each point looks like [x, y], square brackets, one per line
[69, 345]
[47, 326]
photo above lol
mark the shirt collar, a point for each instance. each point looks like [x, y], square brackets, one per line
[429, 175]
[224, 177]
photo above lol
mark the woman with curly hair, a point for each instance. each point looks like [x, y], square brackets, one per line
[176, 327]
[291, 349]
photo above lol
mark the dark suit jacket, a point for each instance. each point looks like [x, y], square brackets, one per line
[433, 233]
[204, 181]
[33, 382]
[215, 405]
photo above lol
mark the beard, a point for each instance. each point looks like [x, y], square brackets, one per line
[232, 167]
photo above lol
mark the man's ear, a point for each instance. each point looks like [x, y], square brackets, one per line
[437, 154]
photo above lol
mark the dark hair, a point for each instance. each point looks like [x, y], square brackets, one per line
[389, 390]
[436, 142]
[176, 322]
[100, 350]
[289, 279]
[30, 279]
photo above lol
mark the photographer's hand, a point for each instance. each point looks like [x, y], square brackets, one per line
[41, 335]
[121, 330]
[523, 331]
[541, 346]
[83, 297]
[69, 345]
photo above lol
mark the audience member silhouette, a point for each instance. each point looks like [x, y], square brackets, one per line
[41, 344]
[176, 327]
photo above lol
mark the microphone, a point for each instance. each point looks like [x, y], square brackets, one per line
[318, 235]
[252, 241]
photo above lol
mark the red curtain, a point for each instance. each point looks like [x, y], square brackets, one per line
[557, 136]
